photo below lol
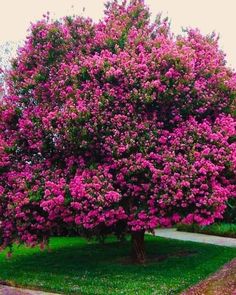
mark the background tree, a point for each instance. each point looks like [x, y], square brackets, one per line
[7, 52]
[115, 127]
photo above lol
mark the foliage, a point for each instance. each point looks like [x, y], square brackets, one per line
[217, 229]
[114, 127]
[230, 211]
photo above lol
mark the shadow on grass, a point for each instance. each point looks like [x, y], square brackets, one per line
[70, 254]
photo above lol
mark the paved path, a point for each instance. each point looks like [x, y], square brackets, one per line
[223, 282]
[172, 233]
[6, 290]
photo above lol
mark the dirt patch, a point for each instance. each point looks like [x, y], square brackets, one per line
[157, 258]
[223, 282]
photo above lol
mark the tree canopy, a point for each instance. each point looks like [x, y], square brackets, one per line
[115, 127]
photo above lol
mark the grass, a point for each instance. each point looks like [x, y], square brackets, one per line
[75, 266]
[218, 229]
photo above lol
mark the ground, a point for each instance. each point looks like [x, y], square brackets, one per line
[218, 229]
[222, 282]
[172, 233]
[75, 266]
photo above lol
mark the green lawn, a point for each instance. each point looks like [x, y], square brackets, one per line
[78, 267]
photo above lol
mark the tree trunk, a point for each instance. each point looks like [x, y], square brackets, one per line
[138, 249]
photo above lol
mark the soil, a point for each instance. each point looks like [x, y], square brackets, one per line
[157, 258]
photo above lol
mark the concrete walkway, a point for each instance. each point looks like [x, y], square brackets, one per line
[172, 233]
[6, 290]
[223, 282]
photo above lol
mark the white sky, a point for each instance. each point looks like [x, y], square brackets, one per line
[207, 15]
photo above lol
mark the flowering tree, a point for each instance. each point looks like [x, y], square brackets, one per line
[115, 127]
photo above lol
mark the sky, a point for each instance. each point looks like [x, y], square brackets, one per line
[207, 15]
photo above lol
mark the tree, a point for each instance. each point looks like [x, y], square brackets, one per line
[7, 52]
[115, 127]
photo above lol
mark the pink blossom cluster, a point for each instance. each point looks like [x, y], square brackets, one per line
[115, 126]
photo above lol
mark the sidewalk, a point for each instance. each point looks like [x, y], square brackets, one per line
[6, 290]
[223, 282]
[172, 233]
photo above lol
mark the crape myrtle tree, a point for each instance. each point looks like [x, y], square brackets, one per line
[115, 127]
